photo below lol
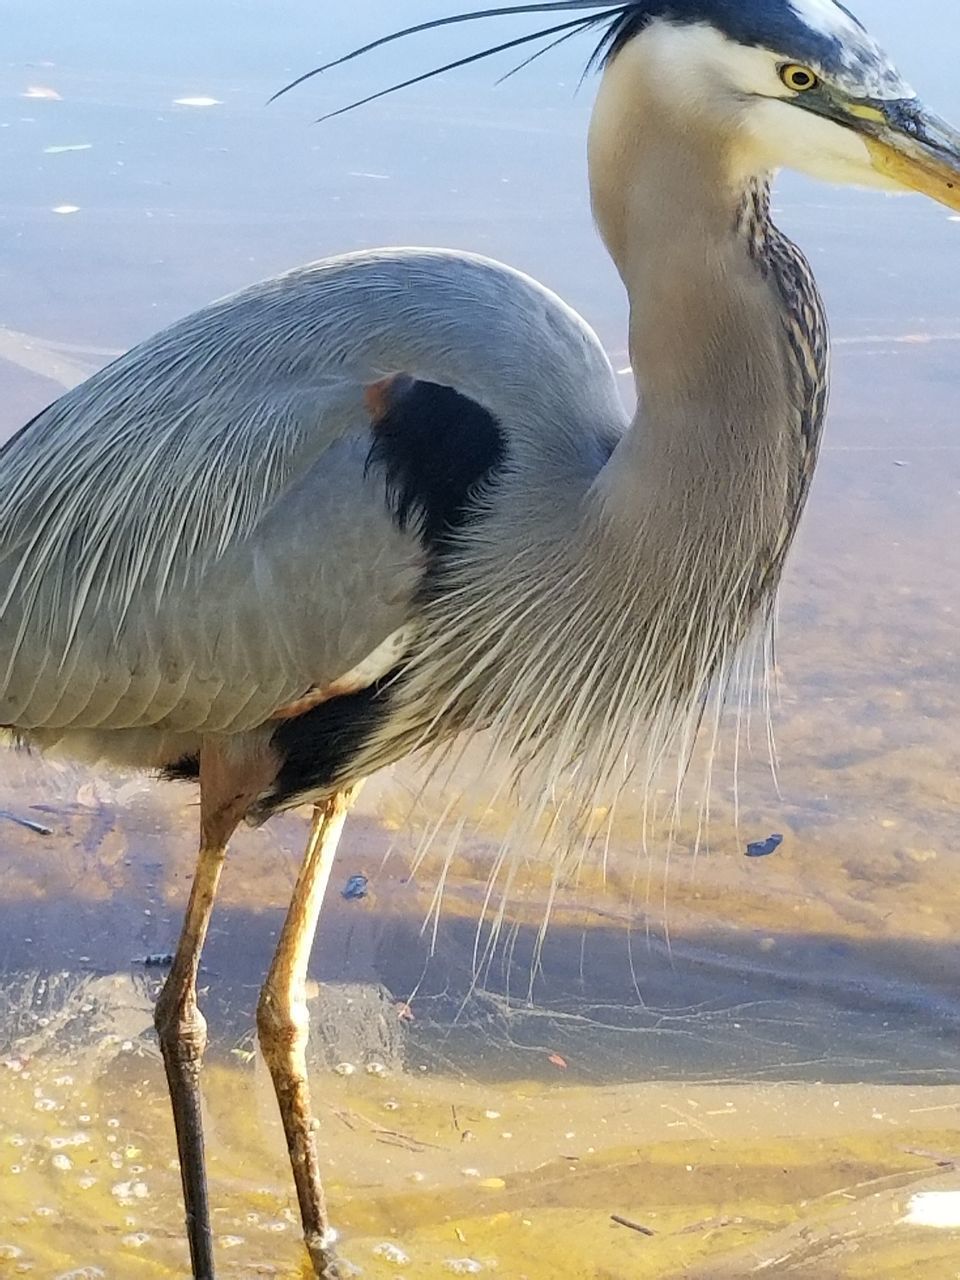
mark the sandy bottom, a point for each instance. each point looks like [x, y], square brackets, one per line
[772, 1090]
[432, 1176]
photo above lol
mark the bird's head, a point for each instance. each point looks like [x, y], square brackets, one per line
[784, 83]
[794, 83]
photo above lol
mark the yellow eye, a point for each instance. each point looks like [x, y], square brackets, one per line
[799, 79]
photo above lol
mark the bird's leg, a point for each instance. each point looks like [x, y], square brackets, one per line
[180, 1025]
[283, 1024]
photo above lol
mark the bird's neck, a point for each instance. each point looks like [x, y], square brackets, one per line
[615, 615]
[718, 432]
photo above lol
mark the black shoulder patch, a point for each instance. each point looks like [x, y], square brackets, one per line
[434, 448]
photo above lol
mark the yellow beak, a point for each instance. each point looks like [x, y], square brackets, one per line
[914, 149]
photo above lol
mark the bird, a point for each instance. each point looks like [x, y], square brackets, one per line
[392, 498]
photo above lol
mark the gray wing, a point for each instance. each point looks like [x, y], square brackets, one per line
[189, 539]
[205, 618]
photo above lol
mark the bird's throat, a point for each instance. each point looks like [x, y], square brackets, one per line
[716, 377]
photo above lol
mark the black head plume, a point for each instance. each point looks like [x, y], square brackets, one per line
[591, 14]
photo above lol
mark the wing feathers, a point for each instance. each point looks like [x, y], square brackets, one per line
[189, 539]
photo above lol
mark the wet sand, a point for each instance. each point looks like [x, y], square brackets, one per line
[776, 1082]
[426, 1172]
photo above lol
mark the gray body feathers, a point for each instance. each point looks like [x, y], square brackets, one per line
[191, 539]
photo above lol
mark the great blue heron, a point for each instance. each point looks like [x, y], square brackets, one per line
[393, 496]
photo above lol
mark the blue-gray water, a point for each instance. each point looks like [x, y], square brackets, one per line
[832, 961]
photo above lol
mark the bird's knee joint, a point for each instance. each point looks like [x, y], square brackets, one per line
[282, 1026]
[181, 1027]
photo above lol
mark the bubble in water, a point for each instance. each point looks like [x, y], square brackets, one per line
[82, 1273]
[61, 1162]
[136, 1239]
[8, 1252]
[230, 1242]
[391, 1252]
[463, 1266]
[59, 1141]
[126, 1191]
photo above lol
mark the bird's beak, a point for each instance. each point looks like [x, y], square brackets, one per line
[910, 147]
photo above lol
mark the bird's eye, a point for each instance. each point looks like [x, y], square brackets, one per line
[799, 79]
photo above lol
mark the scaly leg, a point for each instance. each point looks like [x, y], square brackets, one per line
[283, 1025]
[225, 793]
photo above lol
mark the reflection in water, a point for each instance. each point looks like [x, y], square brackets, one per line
[806, 1002]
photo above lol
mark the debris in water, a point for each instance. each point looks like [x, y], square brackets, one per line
[356, 887]
[36, 827]
[65, 208]
[634, 1226]
[156, 960]
[197, 102]
[762, 848]
[557, 1061]
[69, 146]
[40, 91]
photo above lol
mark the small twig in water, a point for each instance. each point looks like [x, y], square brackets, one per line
[634, 1226]
[36, 827]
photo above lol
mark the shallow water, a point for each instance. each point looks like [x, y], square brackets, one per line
[755, 1059]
